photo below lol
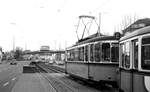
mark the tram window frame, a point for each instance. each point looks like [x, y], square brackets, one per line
[145, 52]
[126, 50]
[97, 54]
[91, 52]
[115, 49]
[135, 53]
[106, 57]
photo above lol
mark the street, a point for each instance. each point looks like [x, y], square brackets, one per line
[9, 75]
[12, 79]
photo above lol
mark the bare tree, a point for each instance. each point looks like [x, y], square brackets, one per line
[127, 21]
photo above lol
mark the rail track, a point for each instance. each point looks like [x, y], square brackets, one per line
[50, 68]
[61, 84]
[57, 84]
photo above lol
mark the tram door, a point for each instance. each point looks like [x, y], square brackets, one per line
[129, 64]
[126, 75]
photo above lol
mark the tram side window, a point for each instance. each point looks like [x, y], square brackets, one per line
[125, 55]
[70, 56]
[81, 55]
[135, 53]
[97, 52]
[106, 51]
[115, 52]
[76, 54]
[145, 53]
[91, 53]
[86, 53]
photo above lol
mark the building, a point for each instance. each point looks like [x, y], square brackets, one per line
[46, 56]
[137, 25]
[44, 48]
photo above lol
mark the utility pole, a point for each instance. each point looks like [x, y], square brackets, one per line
[25, 46]
[99, 28]
[55, 42]
[59, 46]
[65, 45]
[13, 43]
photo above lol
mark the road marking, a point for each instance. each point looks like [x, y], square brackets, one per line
[13, 78]
[6, 84]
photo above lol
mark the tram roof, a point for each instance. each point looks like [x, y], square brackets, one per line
[138, 32]
[95, 39]
[99, 38]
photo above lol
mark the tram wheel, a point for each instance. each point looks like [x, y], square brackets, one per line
[114, 85]
[102, 84]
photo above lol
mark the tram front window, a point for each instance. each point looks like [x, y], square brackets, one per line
[146, 53]
[135, 53]
[125, 55]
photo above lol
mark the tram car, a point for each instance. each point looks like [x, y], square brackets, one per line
[95, 59]
[134, 60]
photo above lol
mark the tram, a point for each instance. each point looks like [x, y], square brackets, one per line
[95, 59]
[134, 62]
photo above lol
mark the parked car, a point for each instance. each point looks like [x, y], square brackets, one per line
[13, 63]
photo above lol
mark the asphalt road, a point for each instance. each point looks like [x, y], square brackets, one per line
[12, 79]
[9, 75]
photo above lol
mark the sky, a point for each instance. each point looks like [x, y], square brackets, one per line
[34, 23]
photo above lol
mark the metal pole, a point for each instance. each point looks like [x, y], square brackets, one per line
[13, 43]
[99, 23]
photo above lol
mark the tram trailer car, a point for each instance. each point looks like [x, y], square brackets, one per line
[95, 59]
[134, 60]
